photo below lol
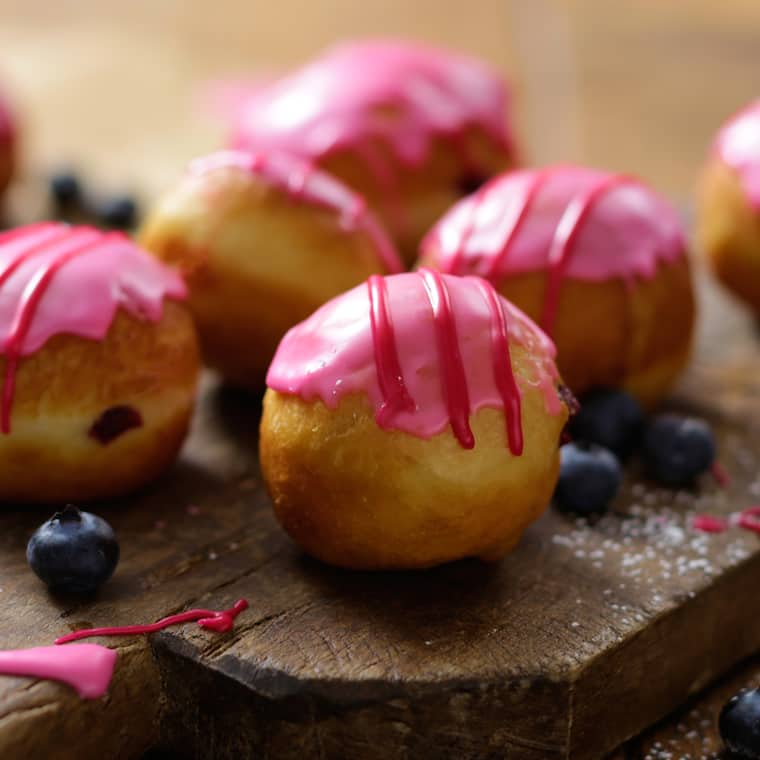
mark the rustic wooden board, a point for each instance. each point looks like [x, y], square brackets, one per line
[577, 641]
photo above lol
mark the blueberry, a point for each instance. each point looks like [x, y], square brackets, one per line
[119, 212]
[676, 449]
[609, 418]
[65, 189]
[73, 552]
[589, 478]
[739, 724]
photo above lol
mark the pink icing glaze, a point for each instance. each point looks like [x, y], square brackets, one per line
[88, 668]
[394, 93]
[58, 279]
[304, 182]
[570, 221]
[428, 350]
[509, 225]
[738, 144]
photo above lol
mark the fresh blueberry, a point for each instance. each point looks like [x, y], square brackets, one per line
[589, 478]
[73, 552]
[609, 418]
[677, 449]
[739, 724]
[65, 189]
[119, 212]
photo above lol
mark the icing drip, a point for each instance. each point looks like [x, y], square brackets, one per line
[564, 242]
[453, 377]
[304, 182]
[389, 376]
[568, 221]
[502, 368]
[87, 668]
[220, 621]
[376, 94]
[415, 345]
[57, 279]
[522, 211]
[738, 145]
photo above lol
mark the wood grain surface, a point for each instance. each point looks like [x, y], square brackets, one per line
[575, 643]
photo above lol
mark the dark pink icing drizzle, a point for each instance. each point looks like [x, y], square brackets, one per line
[304, 182]
[565, 237]
[524, 208]
[87, 668]
[423, 360]
[395, 395]
[502, 368]
[452, 376]
[60, 279]
[219, 621]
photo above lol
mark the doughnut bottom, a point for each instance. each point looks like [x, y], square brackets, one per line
[357, 496]
[93, 420]
[728, 230]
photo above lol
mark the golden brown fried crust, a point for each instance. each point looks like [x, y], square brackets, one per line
[256, 263]
[358, 496]
[418, 196]
[65, 387]
[728, 230]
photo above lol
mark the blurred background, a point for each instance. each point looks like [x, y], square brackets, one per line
[119, 87]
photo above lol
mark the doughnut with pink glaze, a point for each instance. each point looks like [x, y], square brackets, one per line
[597, 259]
[728, 221]
[98, 364]
[408, 126]
[412, 421]
[263, 240]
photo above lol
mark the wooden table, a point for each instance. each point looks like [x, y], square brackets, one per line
[117, 88]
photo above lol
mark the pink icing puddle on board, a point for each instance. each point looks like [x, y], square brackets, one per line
[568, 221]
[738, 145]
[302, 181]
[428, 350]
[58, 279]
[219, 621]
[86, 667]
